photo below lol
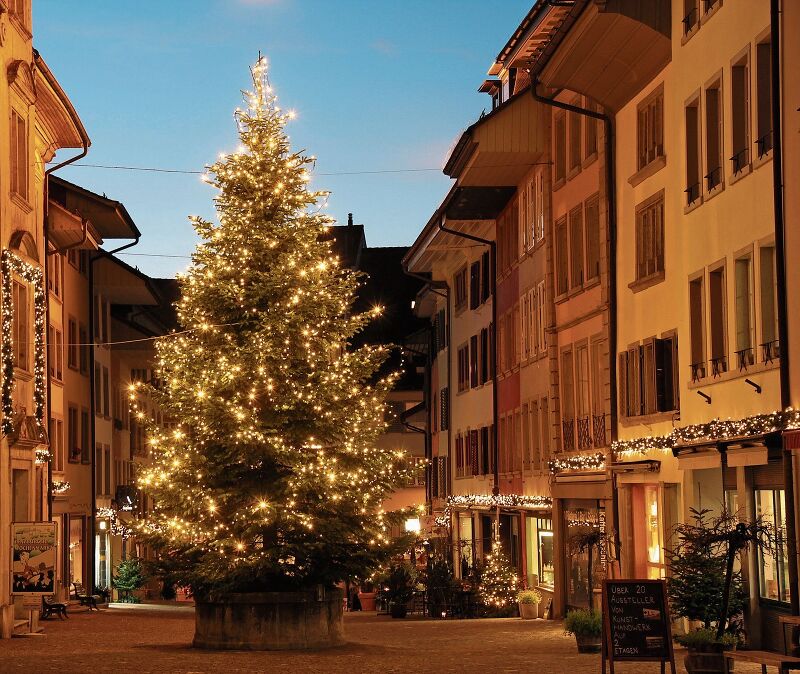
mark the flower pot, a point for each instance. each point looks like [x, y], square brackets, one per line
[266, 621]
[529, 611]
[398, 609]
[367, 600]
[588, 643]
[707, 660]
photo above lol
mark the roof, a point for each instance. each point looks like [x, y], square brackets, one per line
[56, 111]
[109, 217]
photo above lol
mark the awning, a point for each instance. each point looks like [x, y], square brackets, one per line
[698, 456]
[594, 485]
[66, 229]
[747, 455]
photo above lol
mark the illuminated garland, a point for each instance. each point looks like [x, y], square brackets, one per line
[491, 501]
[42, 456]
[116, 526]
[12, 264]
[60, 487]
[716, 429]
[577, 463]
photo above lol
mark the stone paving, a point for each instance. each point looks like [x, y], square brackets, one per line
[144, 641]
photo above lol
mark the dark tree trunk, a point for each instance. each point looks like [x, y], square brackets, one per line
[726, 596]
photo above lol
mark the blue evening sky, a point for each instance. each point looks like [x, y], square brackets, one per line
[378, 85]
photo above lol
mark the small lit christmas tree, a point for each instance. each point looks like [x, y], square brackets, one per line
[499, 580]
[130, 577]
[271, 479]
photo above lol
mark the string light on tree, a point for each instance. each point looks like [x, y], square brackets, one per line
[272, 478]
[490, 501]
[499, 580]
[579, 462]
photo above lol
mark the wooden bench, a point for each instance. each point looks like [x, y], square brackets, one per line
[50, 606]
[764, 658]
[85, 598]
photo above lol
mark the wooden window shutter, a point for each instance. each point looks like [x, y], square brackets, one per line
[473, 452]
[444, 412]
[624, 407]
[650, 383]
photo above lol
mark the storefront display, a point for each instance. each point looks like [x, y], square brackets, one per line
[773, 567]
[581, 518]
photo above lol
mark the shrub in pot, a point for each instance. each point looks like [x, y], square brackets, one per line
[399, 589]
[705, 587]
[130, 576]
[586, 624]
[529, 601]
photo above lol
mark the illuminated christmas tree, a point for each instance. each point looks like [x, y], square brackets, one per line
[499, 581]
[271, 478]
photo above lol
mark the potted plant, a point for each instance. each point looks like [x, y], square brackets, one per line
[705, 587]
[529, 601]
[399, 589]
[367, 596]
[586, 625]
[440, 585]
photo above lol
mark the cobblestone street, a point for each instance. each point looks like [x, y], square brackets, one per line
[148, 641]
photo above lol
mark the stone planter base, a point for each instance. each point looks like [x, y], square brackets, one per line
[267, 621]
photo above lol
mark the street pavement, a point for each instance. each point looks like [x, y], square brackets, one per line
[142, 642]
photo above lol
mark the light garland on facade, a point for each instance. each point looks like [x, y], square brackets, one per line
[12, 264]
[489, 501]
[116, 526]
[716, 429]
[42, 456]
[60, 487]
[577, 463]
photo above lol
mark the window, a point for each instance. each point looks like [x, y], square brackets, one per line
[55, 268]
[575, 156]
[717, 320]
[698, 332]
[650, 237]
[440, 330]
[592, 226]
[648, 377]
[473, 361]
[460, 286]
[444, 412]
[599, 356]
[463, 368]
[55, 342]
[590, 128]
[773, 574]
[484, 357]
[486, 278]
[650, 128]
[528, 315]
[102, 467]
[582, 382]
[691, 16]
[85, 449]
[740, 114]
[763, 98]
[541, 341]
[101, 320]
[576, 247]
[19, 155]
[83, 348]
[713, 174]
[538, 205]
[460, 472]
[98, 388]
[525, 216]
[106, 394]
[560, 145]
[485, 448]
[743, 289]
[72, 346]
[567, 401]
[475, 285]
[562, 270]
[544, 425]
[19, 10]
[56, 432]
[20, 327]
[74, 433]
[692, 115]
[769, 301]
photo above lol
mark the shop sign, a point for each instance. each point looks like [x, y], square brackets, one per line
[636, 623]
[33, 565]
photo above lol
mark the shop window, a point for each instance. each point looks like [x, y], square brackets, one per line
[692, 118]
[740, 114]
[76, 549]
[466, 544]
[576, 247]
[580, 583]
[773, 566]
[562, 269]
[713, 136]
[764, 140]
[546, 552]
[650, 237]
[717, 306]
[743, 287]
[650, 128]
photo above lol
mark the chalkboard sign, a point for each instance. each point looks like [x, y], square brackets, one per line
[636, 622]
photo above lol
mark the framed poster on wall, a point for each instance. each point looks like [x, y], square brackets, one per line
[33, 558]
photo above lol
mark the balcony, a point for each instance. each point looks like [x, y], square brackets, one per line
[698, 371]
[719, 366]
[599, 429]
[568, 435]
[745, 358]
[770, 352]
[584, 433]
[740, 160]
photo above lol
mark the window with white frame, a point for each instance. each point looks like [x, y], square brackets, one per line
[650, 237]
[592, 226]
[713, 136]
[740, 113]
[769, 302]
[19, 155]
[745, 328]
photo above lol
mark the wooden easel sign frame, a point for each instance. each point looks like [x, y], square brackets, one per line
[636, 623]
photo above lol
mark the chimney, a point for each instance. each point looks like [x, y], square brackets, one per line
[349, 219]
